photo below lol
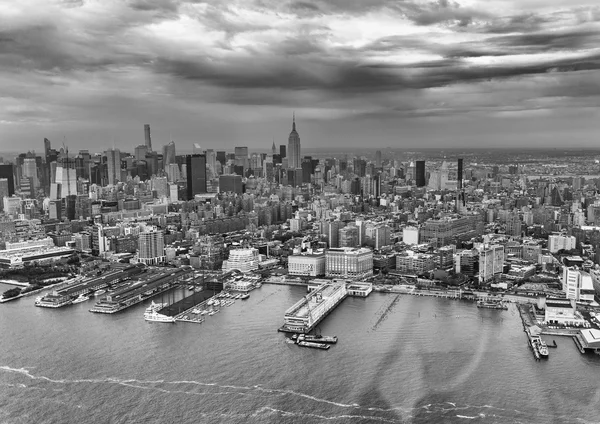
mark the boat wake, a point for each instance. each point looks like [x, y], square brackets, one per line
[339, 410]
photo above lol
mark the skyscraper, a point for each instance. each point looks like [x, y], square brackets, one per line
[273, 148]
[47, 148]
[459, 175]
[6, 171]
[147, 136]
[113, 164]
[230, 183]
[30, 171]
[378, 158]
[195, 169]
[282, 151]
[168, 154]
[420, 171]
[294, 159]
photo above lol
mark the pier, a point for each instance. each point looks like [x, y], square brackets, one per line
[73, 288]
[180, 308]
[152, 283]
[305, 314]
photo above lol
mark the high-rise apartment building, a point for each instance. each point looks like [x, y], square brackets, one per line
[147, 139]
[151, 247]
[558, 242]
[195, 175]
[491, 262]
[293, 153]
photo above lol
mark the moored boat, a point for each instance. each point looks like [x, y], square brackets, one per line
[156, 317]
[323, 346]
[80, 298]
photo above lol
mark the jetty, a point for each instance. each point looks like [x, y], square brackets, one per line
[305, 314]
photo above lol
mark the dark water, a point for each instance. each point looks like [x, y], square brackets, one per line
[399, 359]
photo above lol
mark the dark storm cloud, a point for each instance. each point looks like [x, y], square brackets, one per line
[526, 22]
[343, 57]
[445, 11]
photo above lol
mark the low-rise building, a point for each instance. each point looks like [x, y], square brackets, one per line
[307, 264]
[351, 263]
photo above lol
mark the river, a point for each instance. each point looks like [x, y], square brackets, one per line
[399, 359]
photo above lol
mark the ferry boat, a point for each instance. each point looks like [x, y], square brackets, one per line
[323, 346]
[99, 292]
[244, 296]
[542, 348]
[156, 317]
[492, 304]
[317, 338]
[81, 298]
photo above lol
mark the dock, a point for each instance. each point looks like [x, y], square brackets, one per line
[183, 308]
[305, 314]
[85, 286]
[152, 283]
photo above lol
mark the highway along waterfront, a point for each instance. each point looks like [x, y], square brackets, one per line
[398, 359]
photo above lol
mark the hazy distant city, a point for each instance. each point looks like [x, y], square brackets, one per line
[299, 211]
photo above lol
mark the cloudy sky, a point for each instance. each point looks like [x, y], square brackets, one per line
[356, 72]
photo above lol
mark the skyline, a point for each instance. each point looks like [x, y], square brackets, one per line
[405, 75]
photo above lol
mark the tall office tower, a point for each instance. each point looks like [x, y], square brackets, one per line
[195, 169]
[173, 173]
[230, 184]
[151, 247]
[273, 149]
[152, 162]
[222, 157]
[65, 181]
[140, 152]
[3, 191]
[378, 158]
[6, 171]
[168, 154]
[294, 159]
[147, 137]
[30, 171]
[459, 175]
[113, 163]
[211, 160]
[47, 148]
[241, 157]
[282, 151]
[420, 171]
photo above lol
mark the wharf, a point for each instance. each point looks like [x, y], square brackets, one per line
[85, 286]
[194, 300]
[306, 314]
[152, 283]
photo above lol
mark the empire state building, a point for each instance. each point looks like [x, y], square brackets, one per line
[293, 153]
